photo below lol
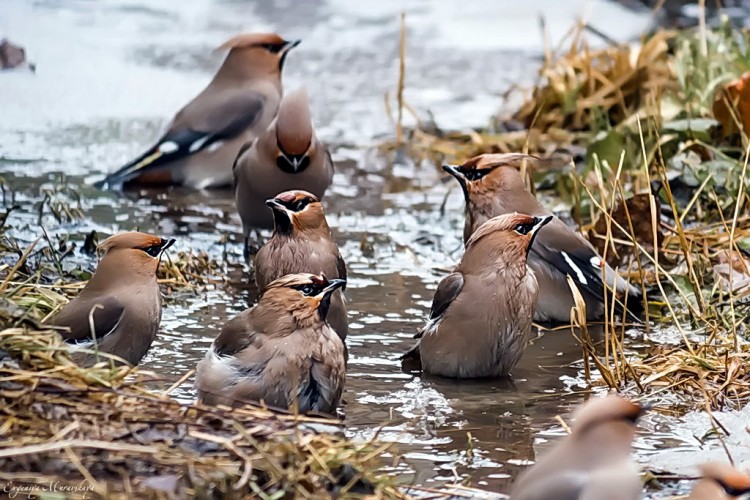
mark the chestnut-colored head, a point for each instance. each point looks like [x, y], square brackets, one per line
[133, 251]
[256, 54]
[489, 173]
[732, 481]
[512, 233]
[602, 411]
[294, 133]
[297, 211]
[306, 296]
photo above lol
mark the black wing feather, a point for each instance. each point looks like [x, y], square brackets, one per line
[179, 143]
[446, 292]
[581, 259]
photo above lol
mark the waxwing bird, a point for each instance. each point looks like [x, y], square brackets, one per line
[302, 243]
[493, 185]
[281, 352]
[721, 482]
[481, 313]
[203, 139]
[593, 462]
[286, 156]
[119, 310]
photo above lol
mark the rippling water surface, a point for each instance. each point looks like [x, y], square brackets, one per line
[109, 75]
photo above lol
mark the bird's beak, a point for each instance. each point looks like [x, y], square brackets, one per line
[642, 409]
[324, 296]
[164, 245]
[167, 243]
[333, 285]
[539, 222]
[291, 44]
[282, 216]
[453, 170]
[276, 205]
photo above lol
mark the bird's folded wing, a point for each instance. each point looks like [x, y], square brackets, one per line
[316, 392]
[563, 249]
[195, 128]
[85, 321]
[446, 292]
[237, 335]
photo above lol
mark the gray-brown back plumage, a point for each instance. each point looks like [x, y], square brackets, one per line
[281, 352]
[492, 186]
[203, 139]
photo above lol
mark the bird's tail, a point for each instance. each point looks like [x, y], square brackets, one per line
[147, 161]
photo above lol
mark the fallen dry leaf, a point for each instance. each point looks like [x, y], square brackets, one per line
[732, 105]
[639, 210]
[732, 271]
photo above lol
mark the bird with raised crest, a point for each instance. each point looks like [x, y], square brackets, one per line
[118, 312]
[204, 137]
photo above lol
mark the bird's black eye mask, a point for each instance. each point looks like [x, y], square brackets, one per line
[310, 289]
[297, 205]
[273, 48]
[474, 174]
[153, 250]
[732, 491]
[524, 229]
[156, 250]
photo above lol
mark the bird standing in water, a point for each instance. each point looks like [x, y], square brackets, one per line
[302, 243]
[492, 185]
[281, 352]
[481, 313]
[286, 156]
[204, 138]
[119, 310]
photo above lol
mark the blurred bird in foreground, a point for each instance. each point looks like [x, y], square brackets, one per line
[721, 482]
[119, 310]
[281, 353]
[493, 185]
[593, 462]
[286, 156]
[302, 243]
[203, 139]
[481, 313]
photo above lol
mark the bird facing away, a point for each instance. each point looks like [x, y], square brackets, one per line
[287, 156]
[493, 185]
[302, 243]
[593, 462]
[481, 313]
[119, 310]
[281, 352]
[720, 482]
[203, 139]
